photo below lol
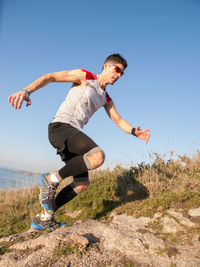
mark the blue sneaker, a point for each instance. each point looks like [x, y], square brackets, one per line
[47, 193]
[51, 224]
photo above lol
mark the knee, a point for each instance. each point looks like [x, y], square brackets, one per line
[95, 160]
[81, 186]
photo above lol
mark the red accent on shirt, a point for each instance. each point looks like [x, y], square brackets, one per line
[108, 98]
[90, 75]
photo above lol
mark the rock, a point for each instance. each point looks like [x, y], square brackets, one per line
[115, 240]
[157, 215]
[13, 238]
[130, 221]
[153, 241]
[92, 243]
[194, 212]
[181, 219]
[170, 225]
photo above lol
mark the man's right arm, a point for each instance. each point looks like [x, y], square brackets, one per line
[74, 76]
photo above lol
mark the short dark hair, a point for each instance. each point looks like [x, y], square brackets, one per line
[117, 58]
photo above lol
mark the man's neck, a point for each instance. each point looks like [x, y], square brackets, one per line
[102, 81]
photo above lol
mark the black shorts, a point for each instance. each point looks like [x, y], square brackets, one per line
[69, 141]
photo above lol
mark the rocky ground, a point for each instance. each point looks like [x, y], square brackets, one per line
[168, 239]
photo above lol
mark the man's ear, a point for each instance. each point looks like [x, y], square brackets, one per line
[105, 66]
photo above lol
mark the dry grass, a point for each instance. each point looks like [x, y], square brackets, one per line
[140, 191]
[17, 209]
[171, 183]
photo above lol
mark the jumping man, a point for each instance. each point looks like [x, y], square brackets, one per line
[79, 153]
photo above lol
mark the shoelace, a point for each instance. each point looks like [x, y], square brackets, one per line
[54, 224]
[52, 191]
[46, 193]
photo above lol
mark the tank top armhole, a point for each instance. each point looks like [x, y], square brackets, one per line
[90, 75]
[108, 98]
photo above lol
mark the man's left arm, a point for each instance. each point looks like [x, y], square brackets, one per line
[124, 125]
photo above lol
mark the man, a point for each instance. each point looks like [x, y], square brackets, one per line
[77, 150]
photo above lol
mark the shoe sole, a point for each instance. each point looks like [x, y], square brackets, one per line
[39, 227]
[36, 226]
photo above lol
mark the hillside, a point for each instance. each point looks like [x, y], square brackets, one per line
[148, 215]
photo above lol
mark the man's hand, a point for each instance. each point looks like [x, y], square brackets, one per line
[142, 134]
[17, 99]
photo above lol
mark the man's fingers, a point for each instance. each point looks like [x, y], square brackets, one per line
[147, 138]
[9, 99]
[143, 134]
[147, 135]
[17, 99]
[16, 102]
[20, 102]
[28, 103]
[12, 100]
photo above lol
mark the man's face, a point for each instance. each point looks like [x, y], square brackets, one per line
[113, 71]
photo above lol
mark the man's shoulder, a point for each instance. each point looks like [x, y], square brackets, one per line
[89, 75]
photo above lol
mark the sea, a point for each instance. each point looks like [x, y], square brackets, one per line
[14, 179]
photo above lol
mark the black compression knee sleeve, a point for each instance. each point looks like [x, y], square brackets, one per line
[64, 196]
[73, 167]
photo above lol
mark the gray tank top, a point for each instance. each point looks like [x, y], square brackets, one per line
[81, 102]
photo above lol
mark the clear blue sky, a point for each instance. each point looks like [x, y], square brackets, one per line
[160, 89]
